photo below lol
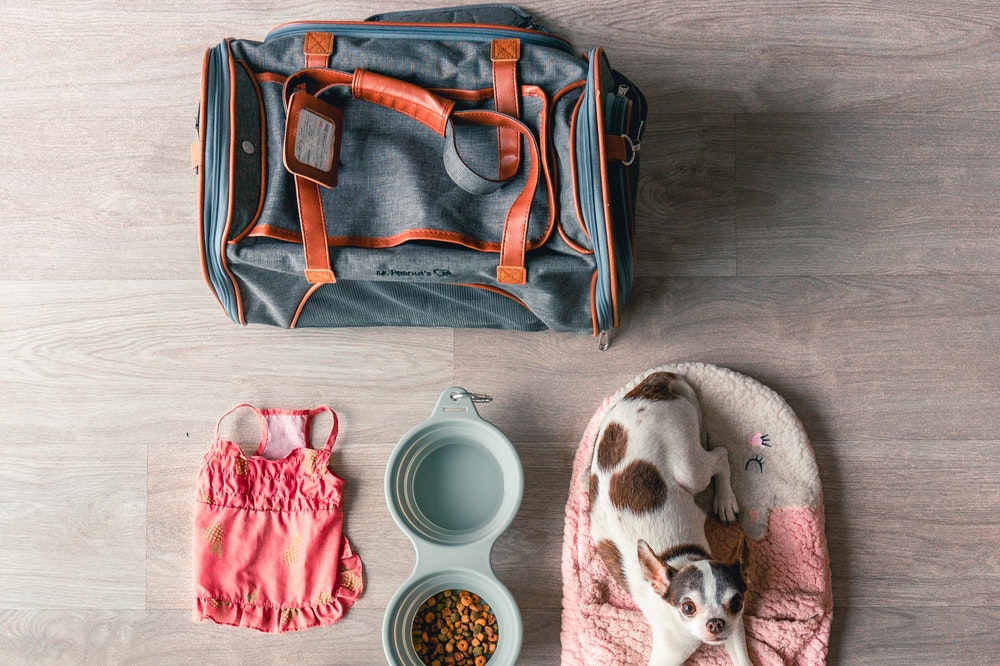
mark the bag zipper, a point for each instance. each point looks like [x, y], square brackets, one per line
[617, 244]
[437, 31]
[616, 119]
[591, 196]
[215, 177]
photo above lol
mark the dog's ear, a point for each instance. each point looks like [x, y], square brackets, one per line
[653, 569]
[740, 557]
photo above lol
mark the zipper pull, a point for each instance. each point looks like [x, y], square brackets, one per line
[603, 340]
[623, 90]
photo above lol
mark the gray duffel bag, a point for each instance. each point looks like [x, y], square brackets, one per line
[459, 167]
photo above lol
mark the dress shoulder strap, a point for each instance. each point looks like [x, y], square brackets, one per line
[260, 417]
[334, 429]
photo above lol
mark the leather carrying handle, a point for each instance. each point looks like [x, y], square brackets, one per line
[418, 103]
[513, 245]
[411, 100]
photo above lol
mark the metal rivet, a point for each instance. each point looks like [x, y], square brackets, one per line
[248, 148]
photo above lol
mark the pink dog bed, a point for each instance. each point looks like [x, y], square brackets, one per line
[774, 476]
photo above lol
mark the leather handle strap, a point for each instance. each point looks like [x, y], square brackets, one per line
[505, 54]
[422, 105]
[313, 81]
[317, 47]
[513, 245]
[312, 220]
[309, 198]
[410, 100]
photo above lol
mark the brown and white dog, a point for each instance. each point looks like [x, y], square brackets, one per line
[648, 466]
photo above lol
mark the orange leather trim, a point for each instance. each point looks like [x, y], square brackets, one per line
[302, 303]
[278, 233]
[559, 94]
[262, 151]
[318, 47]
[505, 50]
[312, 80]
[416, 102]
[572, 243]
[572, 167]
[464, 95]
[496, 290]
[593, 302]
[553, 171]
[504, 54]
[270, 77]
[546, 165]
[313, 222]
[617, 149]
[511, 274]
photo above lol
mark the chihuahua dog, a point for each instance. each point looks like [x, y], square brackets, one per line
[648, 466]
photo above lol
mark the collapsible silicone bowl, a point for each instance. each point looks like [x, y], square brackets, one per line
[453, 484]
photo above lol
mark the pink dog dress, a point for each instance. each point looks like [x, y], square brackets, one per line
[269, 548]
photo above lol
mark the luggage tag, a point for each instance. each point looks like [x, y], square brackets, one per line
[313, 132]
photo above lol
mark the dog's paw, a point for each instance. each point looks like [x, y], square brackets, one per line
[726, 507]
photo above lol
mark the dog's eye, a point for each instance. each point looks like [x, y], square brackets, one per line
[736, 603]
[688, 608]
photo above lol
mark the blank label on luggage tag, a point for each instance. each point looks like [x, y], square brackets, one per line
[312, 139]
[315, 140]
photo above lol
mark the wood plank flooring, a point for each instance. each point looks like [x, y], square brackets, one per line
[819, 208]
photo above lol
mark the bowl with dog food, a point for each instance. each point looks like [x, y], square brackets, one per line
[453, 484]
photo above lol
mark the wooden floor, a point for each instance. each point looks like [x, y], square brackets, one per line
[819, 209]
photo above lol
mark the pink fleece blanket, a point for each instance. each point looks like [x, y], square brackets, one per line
[789, 599]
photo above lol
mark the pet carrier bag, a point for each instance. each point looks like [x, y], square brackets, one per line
[456, 167]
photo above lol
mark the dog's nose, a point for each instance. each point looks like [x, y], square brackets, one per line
[716, 626]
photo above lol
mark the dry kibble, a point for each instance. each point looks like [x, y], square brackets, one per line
[454, 627]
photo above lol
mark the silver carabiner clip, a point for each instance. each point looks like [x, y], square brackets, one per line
[476, 398]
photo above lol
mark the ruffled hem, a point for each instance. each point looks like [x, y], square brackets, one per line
[276, 619]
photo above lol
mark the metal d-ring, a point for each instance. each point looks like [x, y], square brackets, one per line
[634, 148]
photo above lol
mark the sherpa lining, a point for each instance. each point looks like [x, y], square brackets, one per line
[774, 476]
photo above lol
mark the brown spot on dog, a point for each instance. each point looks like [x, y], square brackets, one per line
[638, 488]
[592, 494]
[613, 445]
[658, 386]
[612, 558]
